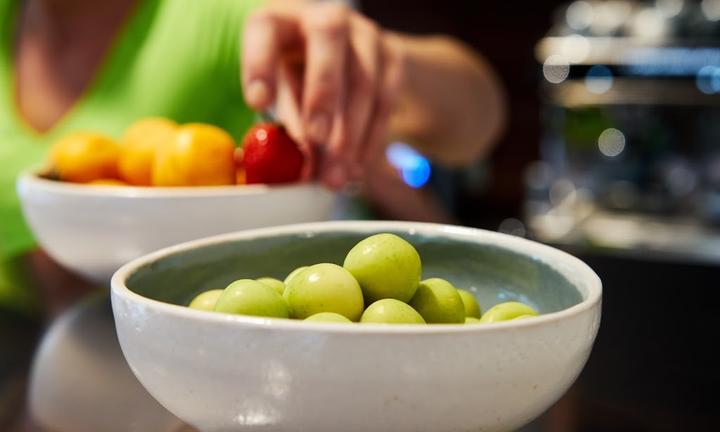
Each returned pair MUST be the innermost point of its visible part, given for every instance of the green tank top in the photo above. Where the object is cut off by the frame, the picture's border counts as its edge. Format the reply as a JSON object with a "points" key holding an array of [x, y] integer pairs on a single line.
{"points": [[173, 58]]}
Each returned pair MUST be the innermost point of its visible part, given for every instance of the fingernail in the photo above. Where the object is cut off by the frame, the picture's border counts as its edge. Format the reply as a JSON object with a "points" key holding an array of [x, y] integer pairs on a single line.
{"points": [[258, 94], [319, 128]]}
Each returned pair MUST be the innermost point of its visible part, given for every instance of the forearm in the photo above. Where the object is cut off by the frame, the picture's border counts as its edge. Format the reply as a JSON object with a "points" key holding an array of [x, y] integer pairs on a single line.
{"points": [[450, 104]]}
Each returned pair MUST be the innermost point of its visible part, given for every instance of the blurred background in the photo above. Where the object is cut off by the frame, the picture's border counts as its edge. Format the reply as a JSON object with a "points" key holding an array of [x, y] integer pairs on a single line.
{"points": [[612, 153]]}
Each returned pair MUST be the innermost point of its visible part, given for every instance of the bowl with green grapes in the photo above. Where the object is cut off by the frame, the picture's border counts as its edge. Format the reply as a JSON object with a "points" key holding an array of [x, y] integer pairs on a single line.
{"points": [[357, 325]]}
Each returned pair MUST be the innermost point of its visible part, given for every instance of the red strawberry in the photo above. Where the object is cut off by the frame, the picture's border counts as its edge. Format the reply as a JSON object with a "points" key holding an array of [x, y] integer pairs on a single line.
{"points": [[270, 155]]}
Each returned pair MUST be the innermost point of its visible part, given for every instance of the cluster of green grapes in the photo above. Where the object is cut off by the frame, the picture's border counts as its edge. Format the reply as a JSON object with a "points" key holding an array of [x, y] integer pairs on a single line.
{"points": [[382, 271]]}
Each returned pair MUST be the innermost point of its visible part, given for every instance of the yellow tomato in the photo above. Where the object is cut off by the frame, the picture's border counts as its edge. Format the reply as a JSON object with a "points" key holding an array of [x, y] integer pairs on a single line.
{"points": [[138, 147], [200, 155], [82, 157]]}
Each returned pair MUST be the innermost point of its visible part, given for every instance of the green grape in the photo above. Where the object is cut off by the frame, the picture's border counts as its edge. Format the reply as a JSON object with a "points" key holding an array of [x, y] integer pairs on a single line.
{"points": [[329, 317], [391, 311], [438, 302], [324, 288], [292, 274], [206, 300], [277, 284], [249, 297], [472, 320], [472, 308], [386, 266], [507, 311]]}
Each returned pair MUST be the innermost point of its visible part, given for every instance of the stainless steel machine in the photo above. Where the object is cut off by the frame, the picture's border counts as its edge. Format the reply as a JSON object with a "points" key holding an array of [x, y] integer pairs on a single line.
{"points": [[630, 152]]}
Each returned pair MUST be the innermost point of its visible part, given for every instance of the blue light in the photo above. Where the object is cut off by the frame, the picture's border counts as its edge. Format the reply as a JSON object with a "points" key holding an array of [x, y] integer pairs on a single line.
{"points": [[401, 155], [418, 175], [414, 167], [670, 61], [708, 79]]}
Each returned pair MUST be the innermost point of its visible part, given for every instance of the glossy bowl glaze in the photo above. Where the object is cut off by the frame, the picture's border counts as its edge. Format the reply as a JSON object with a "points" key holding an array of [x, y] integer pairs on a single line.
{"points": [[93, 230], [223, 373]]}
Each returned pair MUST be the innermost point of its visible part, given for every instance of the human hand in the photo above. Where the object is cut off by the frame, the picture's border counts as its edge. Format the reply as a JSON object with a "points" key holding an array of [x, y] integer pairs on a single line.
{"points": [[333, 76]]}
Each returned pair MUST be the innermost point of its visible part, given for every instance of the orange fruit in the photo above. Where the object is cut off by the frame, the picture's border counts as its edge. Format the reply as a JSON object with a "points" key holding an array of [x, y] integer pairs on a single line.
{"points": [[138, 147], [82, 157], [240, 176], [107, 182], [199, 155]]}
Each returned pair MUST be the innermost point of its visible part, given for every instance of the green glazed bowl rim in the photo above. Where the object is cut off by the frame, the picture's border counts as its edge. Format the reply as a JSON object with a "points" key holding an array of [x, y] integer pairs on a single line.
{"points": [[560, 261]]}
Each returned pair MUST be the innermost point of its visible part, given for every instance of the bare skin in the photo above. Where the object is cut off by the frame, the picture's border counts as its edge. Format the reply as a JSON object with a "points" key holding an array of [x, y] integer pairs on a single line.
{"points": [[353, 85], [59, 47]]}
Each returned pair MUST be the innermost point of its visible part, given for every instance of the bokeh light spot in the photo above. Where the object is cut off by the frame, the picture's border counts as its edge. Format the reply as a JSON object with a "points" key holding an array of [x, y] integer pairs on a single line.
{"points": [[711, 9], [611, 142], [556, 69], [579, 15], [708, 79], [414, 168], [599, 79]]}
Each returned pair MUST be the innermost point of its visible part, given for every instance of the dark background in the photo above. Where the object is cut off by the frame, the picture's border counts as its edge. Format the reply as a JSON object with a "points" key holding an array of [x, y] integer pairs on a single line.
{"points": [[653, 367]]}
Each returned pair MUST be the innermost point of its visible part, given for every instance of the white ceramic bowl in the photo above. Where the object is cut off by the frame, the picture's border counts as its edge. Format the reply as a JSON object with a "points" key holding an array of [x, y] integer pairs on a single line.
{"points": [[222, 372], [93, 230]]}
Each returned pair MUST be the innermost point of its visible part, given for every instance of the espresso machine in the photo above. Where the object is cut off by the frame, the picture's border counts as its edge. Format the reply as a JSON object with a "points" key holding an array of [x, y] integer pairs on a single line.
{"points": [[630, 151]]}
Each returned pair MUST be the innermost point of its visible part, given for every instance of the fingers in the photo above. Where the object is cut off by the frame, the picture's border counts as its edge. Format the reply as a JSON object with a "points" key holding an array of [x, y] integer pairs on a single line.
{"points": [[266, 34], [333, 172], [340, 98], [390, 81], [364, 81], [287, 102], [326, 28], [370, 144]]}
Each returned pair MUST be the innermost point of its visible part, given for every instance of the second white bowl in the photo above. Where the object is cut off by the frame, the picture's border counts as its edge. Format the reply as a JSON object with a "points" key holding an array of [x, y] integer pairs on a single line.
{"points": [[93, 230]]}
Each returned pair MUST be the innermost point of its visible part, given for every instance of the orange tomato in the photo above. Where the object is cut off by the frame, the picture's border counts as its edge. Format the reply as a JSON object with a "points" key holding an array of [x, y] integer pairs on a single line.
{"points": [[139, 145], [82, 157], [108, 182], [240, 176], [200, 155]]}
